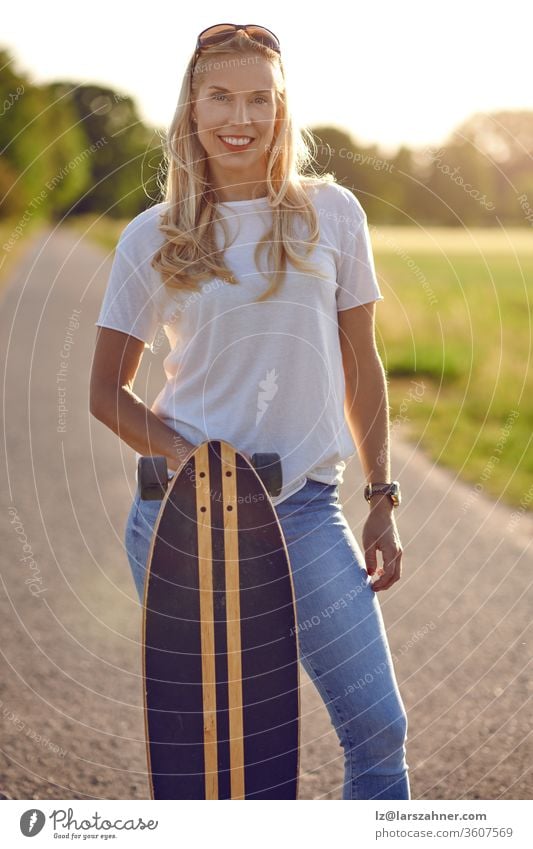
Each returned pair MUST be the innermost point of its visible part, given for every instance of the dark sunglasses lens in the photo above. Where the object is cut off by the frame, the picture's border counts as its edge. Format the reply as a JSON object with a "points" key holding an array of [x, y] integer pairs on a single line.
{"points": [[264, 36], [219, 33], [215, 34]]}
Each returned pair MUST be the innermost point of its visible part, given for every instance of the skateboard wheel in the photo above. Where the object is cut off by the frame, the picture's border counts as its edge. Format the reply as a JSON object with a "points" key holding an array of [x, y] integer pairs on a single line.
{"points": [[152, 477], [268, 467]]}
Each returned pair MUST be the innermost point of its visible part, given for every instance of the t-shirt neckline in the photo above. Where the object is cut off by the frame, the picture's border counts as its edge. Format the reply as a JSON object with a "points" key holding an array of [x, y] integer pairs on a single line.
{"points": [[261, 201]]}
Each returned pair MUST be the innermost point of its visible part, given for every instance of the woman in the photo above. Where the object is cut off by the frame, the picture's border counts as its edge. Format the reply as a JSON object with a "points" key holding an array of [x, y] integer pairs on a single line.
{"points": [[264, 282]]}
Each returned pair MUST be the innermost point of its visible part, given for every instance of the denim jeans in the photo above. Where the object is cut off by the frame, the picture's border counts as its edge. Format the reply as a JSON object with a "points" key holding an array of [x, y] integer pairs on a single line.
{"points": [[342, 640]]}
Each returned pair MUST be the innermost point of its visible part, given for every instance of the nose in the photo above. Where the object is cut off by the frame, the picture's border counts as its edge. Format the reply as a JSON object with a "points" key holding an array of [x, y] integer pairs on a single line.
{"points": [[240, 115]]}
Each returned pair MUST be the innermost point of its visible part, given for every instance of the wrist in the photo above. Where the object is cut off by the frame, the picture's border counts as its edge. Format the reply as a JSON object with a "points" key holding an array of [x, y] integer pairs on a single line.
{"points": [[380, 502], [181, 449]]}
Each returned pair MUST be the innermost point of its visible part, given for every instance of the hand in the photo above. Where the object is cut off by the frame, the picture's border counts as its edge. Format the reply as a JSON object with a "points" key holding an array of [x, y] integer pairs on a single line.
{"points": [[381, 534]]}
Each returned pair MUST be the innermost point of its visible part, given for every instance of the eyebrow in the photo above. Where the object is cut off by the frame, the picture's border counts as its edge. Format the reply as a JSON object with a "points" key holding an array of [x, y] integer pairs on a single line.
{"points": [[221, 88]]}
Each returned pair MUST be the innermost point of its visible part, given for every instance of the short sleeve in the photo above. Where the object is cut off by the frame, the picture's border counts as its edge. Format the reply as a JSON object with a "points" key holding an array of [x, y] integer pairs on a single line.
{"points": [[357, 281], [128, 305]]}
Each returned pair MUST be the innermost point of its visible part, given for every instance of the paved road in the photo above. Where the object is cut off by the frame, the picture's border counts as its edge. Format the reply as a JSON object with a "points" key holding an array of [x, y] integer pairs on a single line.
{"points": [[70, 692]]}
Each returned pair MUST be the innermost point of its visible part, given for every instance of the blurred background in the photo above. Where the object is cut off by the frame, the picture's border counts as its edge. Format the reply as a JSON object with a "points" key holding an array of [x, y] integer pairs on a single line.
{"points": [[425, 113], [423, 110]]}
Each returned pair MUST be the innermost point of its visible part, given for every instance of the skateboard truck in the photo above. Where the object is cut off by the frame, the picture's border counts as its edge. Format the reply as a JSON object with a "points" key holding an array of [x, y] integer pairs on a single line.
{"points": [[153, 480]]}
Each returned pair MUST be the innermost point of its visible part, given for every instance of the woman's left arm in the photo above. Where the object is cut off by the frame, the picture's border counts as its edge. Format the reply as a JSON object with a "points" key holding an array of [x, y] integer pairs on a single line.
{"points": [[367, 413]]}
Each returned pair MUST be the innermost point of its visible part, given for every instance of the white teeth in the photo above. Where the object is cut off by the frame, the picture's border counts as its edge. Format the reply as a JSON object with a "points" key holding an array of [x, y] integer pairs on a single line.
{"points": [[235, 141]]}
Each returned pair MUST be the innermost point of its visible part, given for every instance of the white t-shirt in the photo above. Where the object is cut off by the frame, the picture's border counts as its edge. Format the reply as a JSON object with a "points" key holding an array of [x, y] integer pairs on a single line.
{"points": [[266, 377]]}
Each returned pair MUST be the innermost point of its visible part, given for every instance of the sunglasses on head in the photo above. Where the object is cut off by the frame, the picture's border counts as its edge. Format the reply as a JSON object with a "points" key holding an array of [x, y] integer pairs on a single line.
{"points": [[221, 32]]}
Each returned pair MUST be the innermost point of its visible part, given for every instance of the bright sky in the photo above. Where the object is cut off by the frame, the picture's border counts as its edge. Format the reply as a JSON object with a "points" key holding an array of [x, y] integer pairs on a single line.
{"points": [[388, 72]]}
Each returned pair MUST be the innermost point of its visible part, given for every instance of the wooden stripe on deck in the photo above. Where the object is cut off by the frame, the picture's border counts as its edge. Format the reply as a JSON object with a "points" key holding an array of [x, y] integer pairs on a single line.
{"points": [[207, 628], [233, 622]]}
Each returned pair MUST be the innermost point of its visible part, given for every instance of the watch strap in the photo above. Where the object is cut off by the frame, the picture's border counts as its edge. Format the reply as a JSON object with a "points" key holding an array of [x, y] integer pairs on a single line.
{"points": [[391, 488]]}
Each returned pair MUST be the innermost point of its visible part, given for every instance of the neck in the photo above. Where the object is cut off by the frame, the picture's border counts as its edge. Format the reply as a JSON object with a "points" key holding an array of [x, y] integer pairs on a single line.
{"points": [[245, 187]]}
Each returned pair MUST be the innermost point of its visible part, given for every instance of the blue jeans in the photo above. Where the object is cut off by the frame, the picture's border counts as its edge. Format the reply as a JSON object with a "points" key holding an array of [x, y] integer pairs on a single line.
{"points": [[342, 640]]}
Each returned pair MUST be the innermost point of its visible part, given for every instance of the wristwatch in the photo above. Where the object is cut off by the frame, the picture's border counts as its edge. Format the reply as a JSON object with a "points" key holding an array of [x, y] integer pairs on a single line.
{"points": [[392, 489]]}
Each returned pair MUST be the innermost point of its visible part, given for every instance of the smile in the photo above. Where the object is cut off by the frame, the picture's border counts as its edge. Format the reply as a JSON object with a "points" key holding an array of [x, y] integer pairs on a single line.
{"points": [[237, 141]]}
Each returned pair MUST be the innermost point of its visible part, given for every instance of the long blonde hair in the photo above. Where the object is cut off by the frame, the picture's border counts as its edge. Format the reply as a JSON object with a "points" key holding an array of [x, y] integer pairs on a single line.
{"points": [[189, 254]]}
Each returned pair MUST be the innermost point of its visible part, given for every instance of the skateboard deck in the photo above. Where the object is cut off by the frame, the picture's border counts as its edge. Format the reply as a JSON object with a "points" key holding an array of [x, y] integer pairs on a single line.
{"points": [[220, 650]]}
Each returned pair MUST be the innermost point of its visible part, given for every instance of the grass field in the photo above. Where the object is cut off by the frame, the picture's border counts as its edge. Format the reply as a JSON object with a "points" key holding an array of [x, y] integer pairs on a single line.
{"points": [[455, 336]]}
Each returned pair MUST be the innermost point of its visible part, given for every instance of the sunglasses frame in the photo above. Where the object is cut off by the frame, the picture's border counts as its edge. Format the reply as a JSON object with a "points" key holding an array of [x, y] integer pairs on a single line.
{"points": [[237, 27]]}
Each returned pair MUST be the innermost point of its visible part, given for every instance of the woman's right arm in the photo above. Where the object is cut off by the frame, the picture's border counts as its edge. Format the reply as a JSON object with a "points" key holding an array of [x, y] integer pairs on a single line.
{"points": [[112, 401]]}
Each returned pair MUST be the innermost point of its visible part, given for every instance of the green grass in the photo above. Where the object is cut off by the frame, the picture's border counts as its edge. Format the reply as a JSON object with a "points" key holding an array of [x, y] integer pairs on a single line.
{"points": [[461, 325]]}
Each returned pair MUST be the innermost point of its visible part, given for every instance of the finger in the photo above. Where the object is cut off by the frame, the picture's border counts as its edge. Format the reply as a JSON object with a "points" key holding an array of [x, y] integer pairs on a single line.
{"points": [[391, 565], [391, 572], [371, 559]]}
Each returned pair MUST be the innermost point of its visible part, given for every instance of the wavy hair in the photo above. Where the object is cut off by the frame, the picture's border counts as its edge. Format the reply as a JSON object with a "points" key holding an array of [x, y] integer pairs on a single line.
{"points": [[190, 254]]}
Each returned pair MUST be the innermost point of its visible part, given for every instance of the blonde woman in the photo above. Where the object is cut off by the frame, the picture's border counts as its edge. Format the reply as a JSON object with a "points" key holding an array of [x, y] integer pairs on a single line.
{"points": [[263, 280]]}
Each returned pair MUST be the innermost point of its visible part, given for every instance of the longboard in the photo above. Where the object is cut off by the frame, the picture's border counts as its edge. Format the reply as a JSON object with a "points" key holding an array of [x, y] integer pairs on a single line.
{"points": [[220, 649]]}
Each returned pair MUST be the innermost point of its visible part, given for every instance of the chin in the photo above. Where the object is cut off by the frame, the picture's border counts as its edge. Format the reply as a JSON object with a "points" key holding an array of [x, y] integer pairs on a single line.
{"points": [[239, 166]]}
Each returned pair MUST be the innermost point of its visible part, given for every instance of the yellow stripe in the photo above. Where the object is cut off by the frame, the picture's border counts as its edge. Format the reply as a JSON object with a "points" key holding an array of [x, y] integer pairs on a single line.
{"points": [[207, 627], [233, 624]]}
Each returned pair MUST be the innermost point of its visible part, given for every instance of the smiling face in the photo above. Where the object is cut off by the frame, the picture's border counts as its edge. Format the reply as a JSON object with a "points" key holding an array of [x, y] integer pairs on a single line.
{"points": [[236, 103]]}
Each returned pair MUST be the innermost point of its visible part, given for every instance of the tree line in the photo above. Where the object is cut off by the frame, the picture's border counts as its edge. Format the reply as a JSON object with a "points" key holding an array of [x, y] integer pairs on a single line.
{"points": [[70, 148]]}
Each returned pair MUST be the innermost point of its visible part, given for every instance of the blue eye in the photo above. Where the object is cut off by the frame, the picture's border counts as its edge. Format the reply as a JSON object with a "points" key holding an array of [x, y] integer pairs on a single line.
{"points": [[259, 97]]}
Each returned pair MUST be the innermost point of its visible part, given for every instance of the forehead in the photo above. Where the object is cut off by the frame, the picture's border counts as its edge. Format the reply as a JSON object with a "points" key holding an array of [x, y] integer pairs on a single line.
{"points": [[235, 72]]}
